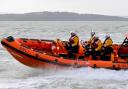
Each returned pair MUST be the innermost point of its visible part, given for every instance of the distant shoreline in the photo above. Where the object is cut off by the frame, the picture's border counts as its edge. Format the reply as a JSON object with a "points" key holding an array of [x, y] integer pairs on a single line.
{"points": [[59, 16]]}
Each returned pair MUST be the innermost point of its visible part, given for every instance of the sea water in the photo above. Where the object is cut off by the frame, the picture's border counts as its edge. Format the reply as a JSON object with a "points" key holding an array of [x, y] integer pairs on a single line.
{"points": [[14, 75]]}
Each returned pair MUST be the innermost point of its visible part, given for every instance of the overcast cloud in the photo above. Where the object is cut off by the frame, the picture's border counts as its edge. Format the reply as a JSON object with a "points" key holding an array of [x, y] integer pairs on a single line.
{"points": [[106, 7]]}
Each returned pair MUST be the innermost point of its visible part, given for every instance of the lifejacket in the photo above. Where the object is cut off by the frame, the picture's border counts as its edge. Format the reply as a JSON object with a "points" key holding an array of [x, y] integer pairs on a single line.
{"points": [[94, 44], [108, 42], [71, 40], [91, 40], [97, 45], [74, 40]]}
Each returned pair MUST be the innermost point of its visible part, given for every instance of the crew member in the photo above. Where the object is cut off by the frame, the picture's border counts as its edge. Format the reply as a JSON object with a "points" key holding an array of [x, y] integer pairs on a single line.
{"points": [[88, 45], [91, 39], [74, 42], [107, 47], [96, 47]]}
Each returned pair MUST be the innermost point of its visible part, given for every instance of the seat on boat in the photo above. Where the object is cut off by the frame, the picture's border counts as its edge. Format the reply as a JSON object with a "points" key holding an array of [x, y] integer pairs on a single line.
{"points": [[123, 52], [58, 48], [61, 50]]}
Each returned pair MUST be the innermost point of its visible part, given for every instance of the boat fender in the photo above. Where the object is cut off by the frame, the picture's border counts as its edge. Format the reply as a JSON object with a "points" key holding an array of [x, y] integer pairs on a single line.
{"points": [[10, 39]]}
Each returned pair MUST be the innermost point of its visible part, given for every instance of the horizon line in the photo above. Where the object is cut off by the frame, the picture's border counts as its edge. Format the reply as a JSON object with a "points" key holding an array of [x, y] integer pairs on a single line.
{"points": [[57, 11]]}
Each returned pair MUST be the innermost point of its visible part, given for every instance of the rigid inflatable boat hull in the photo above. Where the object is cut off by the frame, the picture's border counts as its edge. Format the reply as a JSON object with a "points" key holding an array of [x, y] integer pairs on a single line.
{"points": [[49, 61]]}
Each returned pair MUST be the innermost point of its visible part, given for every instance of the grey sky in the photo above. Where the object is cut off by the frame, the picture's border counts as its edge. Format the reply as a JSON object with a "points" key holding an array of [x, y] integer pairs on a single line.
{"points": [[106, 7]]}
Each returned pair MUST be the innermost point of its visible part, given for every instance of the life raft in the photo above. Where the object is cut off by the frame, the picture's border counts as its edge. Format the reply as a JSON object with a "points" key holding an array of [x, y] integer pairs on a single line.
{"points": [[39, 53]]}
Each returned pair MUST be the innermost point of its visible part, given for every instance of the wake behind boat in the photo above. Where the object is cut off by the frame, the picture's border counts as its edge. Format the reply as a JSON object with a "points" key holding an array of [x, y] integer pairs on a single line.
{"points": [[48, 53]]}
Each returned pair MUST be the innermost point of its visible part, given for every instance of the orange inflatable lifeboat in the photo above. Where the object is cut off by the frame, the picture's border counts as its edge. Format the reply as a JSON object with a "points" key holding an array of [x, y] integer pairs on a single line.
{"points": [[48, 53]]}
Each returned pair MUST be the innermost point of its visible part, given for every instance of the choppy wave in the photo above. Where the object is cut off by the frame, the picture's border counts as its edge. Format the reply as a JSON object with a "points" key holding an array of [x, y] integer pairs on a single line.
{"points": [[65, 79]]}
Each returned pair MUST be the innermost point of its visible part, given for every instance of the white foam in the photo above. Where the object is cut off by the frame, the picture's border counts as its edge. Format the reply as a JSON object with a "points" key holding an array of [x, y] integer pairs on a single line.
{"points": [[93, 74]]}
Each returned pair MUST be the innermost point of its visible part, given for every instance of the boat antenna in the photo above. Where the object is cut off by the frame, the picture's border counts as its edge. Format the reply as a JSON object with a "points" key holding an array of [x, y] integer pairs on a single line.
{"points": [[126, 35]]}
